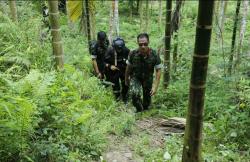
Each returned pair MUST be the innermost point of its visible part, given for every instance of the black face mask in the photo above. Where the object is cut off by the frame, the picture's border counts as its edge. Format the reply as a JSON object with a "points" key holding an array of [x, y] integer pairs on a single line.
{"points": [[118, 49]]}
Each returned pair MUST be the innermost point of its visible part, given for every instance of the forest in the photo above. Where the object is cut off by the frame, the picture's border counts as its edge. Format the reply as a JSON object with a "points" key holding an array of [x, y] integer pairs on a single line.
{"points": [[55, 105]]}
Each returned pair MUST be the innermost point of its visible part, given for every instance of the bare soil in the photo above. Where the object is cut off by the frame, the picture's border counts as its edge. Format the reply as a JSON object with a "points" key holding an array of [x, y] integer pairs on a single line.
{"points": [[157, 128]]}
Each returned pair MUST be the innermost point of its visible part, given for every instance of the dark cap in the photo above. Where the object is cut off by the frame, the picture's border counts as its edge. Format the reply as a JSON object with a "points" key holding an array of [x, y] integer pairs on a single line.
{"points": [[101, 36]]}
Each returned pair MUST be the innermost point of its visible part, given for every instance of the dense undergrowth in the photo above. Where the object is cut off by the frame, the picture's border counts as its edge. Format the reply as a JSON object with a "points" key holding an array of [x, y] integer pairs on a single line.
{"points": [[47, 115]]}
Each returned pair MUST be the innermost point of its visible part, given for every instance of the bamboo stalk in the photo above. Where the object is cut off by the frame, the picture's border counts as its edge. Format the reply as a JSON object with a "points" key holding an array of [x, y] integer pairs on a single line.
{"points": [[147, 16], [116, 18], [230, 63], [92, 8], [193, 131], [160, 14], [141, 15], [175, 27], [111, 20], [55, 32], [242, 32], [166, 77], [88, 22]]}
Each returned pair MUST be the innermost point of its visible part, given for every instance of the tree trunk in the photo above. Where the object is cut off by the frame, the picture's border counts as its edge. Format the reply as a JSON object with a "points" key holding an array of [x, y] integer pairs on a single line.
{"points": [[175, 52], [193, 131], [116, 18], [160, 14], [137, 6], [230, 63], [147, 16], [141, 15], [92, 19], [13, 10], [83, 24], [55, 32], [131, 10], [242, 32], [111, 21], [222, 16], [217, 7], [176, 22], [88, 22], [167, 44]]}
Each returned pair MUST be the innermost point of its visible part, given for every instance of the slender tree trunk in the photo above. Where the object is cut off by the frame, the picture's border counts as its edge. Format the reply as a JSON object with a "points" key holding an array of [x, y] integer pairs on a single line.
{"points": [[176, 22], [13, 10], [55, 32], [111, 21], [131, 10], [242, 31], [116, 18], [166, 78], [147, 16], [217, 7], [83, 24], [175, 52], [193, 130], [92, 18], [141, 15], [151, 7], [88, 22], [230, 63], [137, 6], [160, 14], [222, 16]]}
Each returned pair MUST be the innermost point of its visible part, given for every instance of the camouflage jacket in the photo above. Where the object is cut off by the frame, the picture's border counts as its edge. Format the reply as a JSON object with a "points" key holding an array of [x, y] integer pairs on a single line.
{"points": [[143, 67]]}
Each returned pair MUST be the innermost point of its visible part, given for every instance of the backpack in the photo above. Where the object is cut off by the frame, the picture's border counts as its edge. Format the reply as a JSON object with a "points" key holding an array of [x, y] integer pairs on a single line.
{"points": [[92, 44]]}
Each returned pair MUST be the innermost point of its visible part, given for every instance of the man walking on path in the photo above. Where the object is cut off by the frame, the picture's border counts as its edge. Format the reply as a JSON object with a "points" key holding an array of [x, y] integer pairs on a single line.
{"points": [[115, 62], [139, 73], [98, 50]]}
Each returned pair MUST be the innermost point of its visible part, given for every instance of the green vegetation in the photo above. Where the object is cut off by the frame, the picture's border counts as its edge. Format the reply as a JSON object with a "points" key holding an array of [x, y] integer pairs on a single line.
{"points": [[47, 115]]}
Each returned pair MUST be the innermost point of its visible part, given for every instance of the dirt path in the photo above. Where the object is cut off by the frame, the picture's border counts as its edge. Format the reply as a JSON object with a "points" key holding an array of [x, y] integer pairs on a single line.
{"points": [[123, 150]]}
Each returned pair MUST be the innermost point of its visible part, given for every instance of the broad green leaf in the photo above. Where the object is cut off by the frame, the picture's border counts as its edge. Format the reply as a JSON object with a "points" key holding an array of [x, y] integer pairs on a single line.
{"points": [[74, 9]]}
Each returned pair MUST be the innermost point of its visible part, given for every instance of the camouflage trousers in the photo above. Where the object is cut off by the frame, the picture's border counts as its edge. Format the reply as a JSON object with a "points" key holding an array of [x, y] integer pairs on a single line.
{"points": [[138, 87]]}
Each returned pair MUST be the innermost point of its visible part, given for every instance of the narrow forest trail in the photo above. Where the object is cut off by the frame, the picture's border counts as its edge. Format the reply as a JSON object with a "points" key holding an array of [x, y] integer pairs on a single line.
{"points": [[148, 133]]}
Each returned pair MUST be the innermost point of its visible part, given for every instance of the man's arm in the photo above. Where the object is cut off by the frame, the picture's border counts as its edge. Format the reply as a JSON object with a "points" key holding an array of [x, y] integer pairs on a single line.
{"points": [[157, 67], [156, 82], [94, 63]]}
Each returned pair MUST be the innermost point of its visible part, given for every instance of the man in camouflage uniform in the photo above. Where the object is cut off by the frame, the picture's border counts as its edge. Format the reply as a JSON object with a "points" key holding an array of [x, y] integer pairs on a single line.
{"points": [[139, 73], [98, 50], [115, 61]]}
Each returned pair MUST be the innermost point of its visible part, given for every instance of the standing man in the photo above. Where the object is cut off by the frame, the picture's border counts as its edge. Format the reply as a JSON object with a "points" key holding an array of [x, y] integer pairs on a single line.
{"points": [[98, 50], [115, 61], [139, 73]]}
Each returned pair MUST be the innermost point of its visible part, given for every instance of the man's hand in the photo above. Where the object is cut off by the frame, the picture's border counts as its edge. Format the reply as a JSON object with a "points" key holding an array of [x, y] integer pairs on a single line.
{"points": [[112, 67], [99, 75], [153, 91]]}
